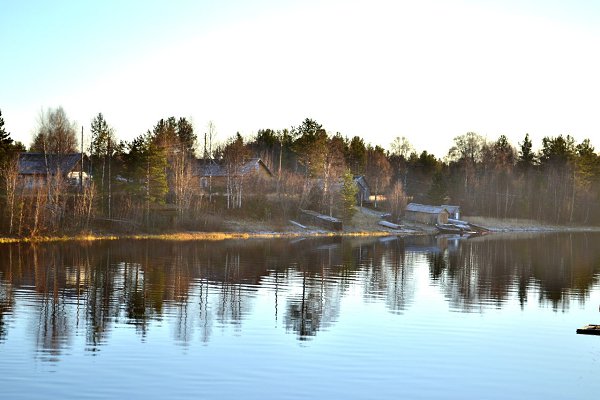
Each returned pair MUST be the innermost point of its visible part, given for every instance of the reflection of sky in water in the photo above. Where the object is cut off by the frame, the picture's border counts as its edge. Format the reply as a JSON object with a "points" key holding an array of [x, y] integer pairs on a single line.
{"points": [[378, 318]]}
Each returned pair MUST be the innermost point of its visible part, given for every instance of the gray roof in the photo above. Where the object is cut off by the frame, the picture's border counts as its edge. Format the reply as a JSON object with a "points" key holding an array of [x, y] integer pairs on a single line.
{"points": [[218, 168], [451, 209], [360, 181], [42, 164], [209, 168], [415, 207]]}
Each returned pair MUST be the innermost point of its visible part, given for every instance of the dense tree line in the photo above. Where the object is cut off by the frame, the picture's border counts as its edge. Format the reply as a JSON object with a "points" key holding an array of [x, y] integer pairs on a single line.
{"points": [[154, 181], [558, 184]]}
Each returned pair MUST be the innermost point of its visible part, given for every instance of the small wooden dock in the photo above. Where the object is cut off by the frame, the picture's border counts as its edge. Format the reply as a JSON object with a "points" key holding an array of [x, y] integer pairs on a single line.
{"points": [[590, 329]]}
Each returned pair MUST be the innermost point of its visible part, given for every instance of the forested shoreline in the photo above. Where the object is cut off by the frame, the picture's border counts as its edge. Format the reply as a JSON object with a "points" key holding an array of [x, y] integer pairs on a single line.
{"points": [[156, 183]]}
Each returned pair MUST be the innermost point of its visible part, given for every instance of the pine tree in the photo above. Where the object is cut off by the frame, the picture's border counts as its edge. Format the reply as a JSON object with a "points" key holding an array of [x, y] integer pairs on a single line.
{"points": [[349, 192], [6, 143], [156, 175], [438, 192], [102, 147], [526, 155]]}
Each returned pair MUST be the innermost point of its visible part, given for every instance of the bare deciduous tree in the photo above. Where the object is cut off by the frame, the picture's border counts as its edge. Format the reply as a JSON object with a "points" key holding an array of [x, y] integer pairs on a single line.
{"points": [[55, 133], [234, 155], [10, 173], [397, 199]]}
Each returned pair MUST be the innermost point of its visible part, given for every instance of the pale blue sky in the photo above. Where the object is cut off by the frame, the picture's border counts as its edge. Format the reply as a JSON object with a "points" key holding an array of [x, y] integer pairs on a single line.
{"points": [[428, 70]]}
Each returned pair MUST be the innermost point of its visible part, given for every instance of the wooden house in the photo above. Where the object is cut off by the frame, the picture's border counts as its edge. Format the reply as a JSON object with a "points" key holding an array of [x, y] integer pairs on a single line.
{"points": [[426, 214], [36, 169], [214, 173]]}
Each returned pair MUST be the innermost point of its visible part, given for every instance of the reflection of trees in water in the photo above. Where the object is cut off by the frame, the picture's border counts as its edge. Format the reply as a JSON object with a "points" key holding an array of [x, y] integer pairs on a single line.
{"points": [[6, 306], [387, 276], [204, 312], [100, 289], [230, 298], [138, 300], [304, 311], [125, 283], [329, 270], [53, 329], [315, 307], [310, 289], [7, 297], [489, 271], [196, 285]]}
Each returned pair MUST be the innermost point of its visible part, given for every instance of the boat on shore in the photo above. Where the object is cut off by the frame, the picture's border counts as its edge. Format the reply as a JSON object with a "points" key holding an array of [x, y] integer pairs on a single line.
{"points": [[450, 228], [457, 226]]}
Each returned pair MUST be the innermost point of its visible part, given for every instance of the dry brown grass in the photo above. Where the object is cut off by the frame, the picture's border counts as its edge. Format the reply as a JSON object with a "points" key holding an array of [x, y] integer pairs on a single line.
{"points": [[362, 224], [192, 236], [516, 225]]}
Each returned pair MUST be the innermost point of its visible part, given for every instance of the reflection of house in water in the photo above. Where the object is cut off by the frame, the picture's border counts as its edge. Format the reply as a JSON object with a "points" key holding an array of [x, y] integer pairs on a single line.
{"points": [[433, 244], [421, 244], [450, 242]]}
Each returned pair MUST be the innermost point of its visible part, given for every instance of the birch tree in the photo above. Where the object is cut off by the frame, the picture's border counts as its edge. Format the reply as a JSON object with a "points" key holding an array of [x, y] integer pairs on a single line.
{"points": [[55, 133], [234, 154]]}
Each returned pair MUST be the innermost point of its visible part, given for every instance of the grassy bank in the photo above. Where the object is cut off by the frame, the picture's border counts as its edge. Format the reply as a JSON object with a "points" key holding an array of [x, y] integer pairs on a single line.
{"points": [[526, 225], [189, 236], [364, 223]]}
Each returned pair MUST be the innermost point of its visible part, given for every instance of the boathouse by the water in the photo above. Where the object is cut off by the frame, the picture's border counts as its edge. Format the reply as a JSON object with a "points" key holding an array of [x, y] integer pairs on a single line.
{"points": [[426, 214]]}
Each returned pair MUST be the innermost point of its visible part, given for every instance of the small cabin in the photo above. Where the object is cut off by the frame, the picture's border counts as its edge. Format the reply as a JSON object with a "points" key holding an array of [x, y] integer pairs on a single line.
{"points": [[453, 210], [364, 192], [426, 214]]}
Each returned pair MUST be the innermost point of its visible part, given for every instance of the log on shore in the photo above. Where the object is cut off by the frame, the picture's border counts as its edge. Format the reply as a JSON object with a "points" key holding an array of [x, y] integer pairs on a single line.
{"points": [[309, 217], [298, 224], [390, 225]]}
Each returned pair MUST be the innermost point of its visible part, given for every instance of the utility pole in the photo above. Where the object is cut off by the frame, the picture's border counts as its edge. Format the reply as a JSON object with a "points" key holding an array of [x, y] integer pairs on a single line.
{"points": [[148, 192], [279, 172], [205, 154], [81, 166], [109, 178]]}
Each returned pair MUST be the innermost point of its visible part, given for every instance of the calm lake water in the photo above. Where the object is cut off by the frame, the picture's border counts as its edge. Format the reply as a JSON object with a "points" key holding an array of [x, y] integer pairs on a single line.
{"points": [[422, 317]]}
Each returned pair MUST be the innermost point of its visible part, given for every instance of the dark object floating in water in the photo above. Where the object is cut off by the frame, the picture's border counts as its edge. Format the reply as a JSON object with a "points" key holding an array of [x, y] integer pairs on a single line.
{"points": [[589, 330]]}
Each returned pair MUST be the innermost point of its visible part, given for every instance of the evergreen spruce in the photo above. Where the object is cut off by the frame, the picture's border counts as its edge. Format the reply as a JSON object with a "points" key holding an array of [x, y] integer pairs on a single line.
{"points": [[349, 192]]}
